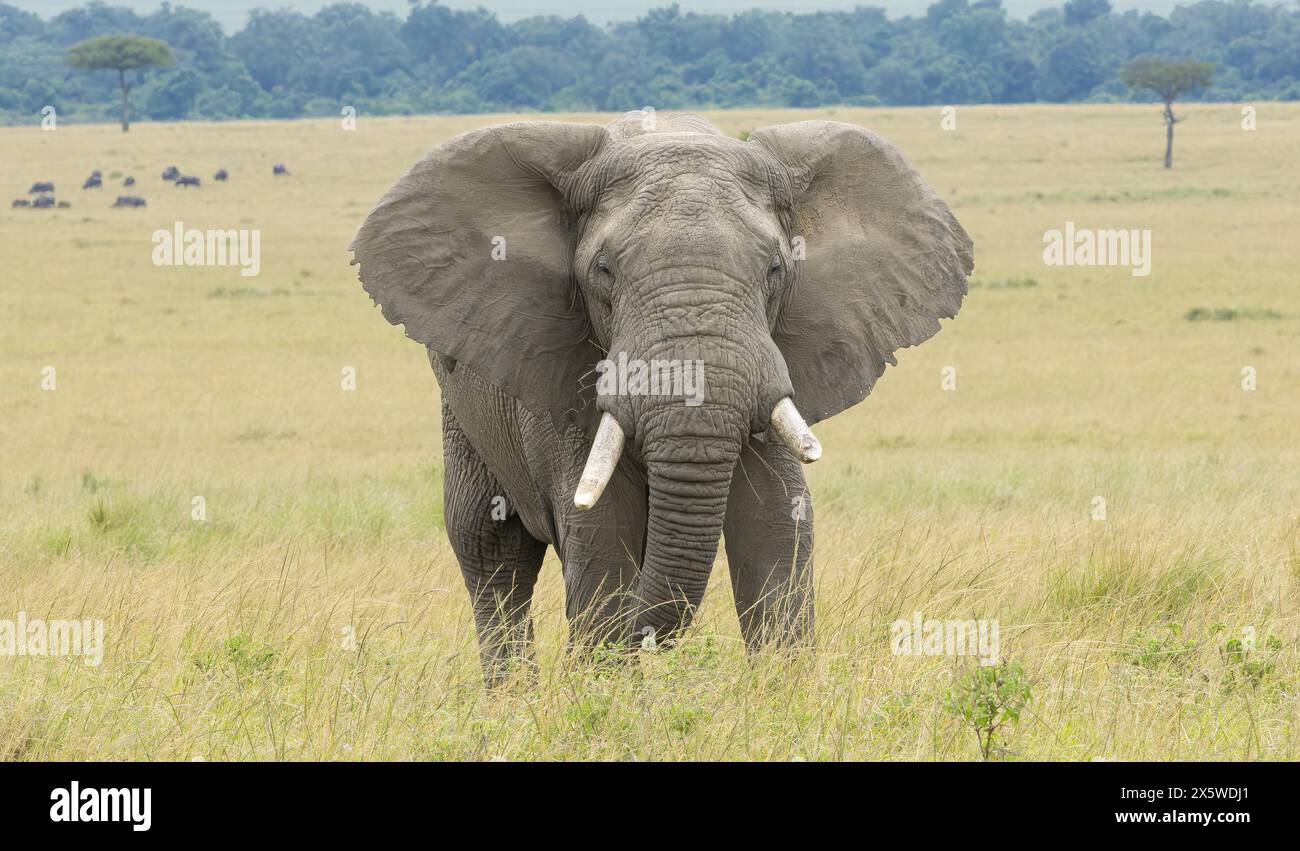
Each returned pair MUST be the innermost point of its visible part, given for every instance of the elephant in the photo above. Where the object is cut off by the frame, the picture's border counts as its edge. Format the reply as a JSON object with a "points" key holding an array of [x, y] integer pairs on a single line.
{"points": [[188, 180], [171, 173], [129, 181], [129, 201], [551, 268], [221, 174], [95, 181], [41, 186], [279, 169]]}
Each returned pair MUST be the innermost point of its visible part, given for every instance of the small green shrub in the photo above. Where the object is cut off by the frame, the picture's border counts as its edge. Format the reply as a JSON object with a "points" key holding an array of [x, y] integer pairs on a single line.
{"points": [[989, 698], [91, 483], [1247, 665], [684, 719], [240, 653], [589, 711], [1162, 652]]}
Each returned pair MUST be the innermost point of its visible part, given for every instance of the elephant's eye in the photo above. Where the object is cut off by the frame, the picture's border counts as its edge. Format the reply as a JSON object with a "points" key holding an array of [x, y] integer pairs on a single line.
{"points": [[602, 263], [776, 270]]}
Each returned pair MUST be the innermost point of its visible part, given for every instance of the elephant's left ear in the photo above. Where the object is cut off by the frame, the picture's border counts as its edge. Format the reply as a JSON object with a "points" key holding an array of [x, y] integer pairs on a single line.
{"points": [[883, 261]]}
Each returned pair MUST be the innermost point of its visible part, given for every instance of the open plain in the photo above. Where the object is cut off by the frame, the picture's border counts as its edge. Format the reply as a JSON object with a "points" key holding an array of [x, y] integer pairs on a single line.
{"points": [[1105, 464]]}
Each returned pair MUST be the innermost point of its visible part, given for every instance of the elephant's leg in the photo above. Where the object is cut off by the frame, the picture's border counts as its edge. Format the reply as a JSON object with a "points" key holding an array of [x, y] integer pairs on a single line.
{"points": [[769, 534], [597, 591], [498, 558], [601, 552]]}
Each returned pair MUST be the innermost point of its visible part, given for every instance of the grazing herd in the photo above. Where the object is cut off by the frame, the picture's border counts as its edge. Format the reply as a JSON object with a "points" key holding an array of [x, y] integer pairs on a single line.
{"points": [[40, 203], [44, 189]]}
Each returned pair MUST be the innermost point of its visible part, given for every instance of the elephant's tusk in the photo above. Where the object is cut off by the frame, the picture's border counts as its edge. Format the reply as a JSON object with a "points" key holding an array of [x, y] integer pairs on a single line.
{"points": [[794, 432], [605, 452]]}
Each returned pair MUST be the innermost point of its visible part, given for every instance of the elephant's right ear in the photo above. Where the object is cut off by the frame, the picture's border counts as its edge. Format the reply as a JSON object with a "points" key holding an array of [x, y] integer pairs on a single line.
{"points": [[472, 249]]}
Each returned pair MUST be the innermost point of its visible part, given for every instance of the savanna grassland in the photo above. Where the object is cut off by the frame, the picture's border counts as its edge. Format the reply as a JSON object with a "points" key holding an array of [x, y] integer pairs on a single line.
{"points": [[233, 637]]}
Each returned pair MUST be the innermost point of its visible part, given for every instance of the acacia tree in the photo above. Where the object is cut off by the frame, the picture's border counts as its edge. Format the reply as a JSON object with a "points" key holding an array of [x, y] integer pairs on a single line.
{"points": [[1169, 79], [120, 53]]}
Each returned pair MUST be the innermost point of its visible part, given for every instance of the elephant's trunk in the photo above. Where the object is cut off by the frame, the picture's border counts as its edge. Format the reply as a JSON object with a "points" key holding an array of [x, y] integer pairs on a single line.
{"points": [[689, 466], [690, 456]]}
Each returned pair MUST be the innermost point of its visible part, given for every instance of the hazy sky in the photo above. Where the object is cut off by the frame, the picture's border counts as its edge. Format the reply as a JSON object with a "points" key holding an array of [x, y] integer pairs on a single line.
{"points": [[232, 13]]}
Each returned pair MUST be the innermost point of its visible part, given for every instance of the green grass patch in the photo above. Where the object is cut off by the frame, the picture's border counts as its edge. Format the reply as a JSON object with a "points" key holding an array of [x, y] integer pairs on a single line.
{"points": [[1228, 314]]}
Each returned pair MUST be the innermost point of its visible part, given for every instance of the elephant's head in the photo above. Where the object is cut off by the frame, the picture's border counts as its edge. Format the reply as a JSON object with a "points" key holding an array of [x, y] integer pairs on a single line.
{"points": [[789, 266]]}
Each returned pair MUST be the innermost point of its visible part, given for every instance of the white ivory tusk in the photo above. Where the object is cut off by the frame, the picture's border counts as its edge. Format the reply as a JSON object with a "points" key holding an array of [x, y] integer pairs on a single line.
{"points": [[605, 452], [794, 432]]}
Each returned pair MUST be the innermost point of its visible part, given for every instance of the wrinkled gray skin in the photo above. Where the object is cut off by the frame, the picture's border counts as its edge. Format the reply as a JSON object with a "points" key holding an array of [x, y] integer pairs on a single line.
{"points": [[792, 264]]}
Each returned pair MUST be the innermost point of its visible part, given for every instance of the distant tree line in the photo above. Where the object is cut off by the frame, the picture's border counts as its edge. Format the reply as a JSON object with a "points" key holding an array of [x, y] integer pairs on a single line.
{"points": [[285, 64]]}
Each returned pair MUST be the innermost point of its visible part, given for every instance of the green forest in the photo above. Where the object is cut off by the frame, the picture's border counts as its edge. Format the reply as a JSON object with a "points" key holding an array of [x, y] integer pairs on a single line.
{"points": [[285, 64]]}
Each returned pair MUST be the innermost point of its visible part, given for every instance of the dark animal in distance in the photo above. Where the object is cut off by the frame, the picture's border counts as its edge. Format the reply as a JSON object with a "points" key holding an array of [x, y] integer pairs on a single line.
{"points": [[129, 201], [41, 186], [221, 174], [171, 173], [93, 182], [279, 168], [188, 180], [130, 181], [21, 202], [44, 202], [63, 205]]}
